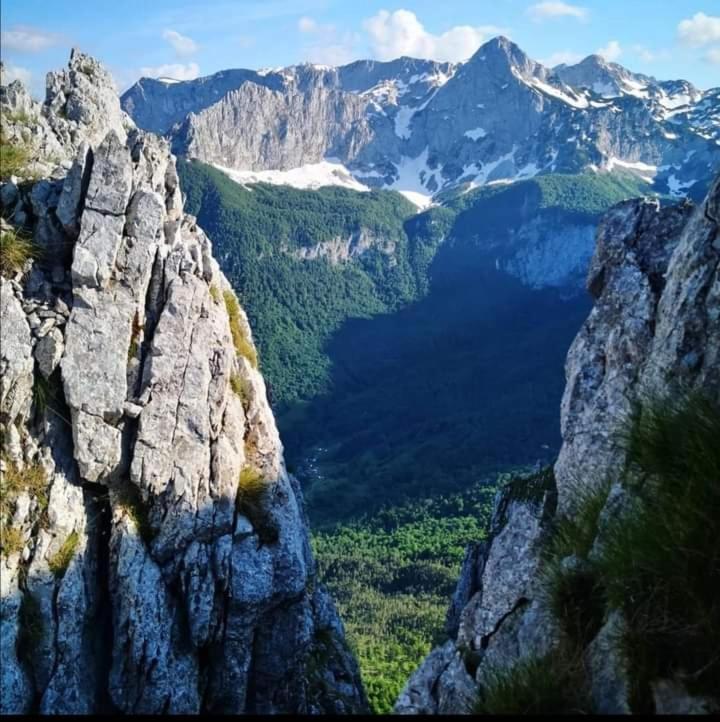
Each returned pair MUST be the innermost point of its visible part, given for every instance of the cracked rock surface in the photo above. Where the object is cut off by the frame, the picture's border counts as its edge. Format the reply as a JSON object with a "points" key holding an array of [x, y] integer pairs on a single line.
{"points": [[145, 574], [654, 329]]}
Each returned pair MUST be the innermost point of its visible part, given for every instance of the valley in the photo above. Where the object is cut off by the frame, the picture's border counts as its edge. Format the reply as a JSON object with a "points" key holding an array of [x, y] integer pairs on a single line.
{"points": [[339, 381], [408, 379]]}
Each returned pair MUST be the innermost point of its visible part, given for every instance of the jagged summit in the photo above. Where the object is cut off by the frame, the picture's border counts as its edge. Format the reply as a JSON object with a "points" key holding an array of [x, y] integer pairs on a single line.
{"points": [[421, 127], [155, 553]]}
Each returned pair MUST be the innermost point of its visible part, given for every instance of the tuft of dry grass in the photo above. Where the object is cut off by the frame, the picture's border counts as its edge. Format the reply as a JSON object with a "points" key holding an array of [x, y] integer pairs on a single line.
{"points": [[60, 561], [12, 540], [14, 481], [15, 249], [242, 344], [14, 158]]}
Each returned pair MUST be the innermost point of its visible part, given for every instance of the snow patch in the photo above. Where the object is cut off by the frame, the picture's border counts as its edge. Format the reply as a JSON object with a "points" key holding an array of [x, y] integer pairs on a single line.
{"points": [[678, 187], [413, 174], [312, 175], [421, 200], [402, 122], [645, 171], [635, 88], [575, 102], [475, 133]]}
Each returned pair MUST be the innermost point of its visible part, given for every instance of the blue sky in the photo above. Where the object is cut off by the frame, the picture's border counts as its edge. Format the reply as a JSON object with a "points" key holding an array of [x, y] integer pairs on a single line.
{"points": [[178, 38]]}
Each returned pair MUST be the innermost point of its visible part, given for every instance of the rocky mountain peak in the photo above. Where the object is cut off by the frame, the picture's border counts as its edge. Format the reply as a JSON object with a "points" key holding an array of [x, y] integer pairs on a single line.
{"points": [[155, 553], [500, 56], [422, 127], [602, 77]]}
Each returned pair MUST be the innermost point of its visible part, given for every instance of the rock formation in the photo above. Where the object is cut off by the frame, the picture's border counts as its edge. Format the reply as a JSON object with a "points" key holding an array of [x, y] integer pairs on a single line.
{"points": [[155, 553], [654, 329]]}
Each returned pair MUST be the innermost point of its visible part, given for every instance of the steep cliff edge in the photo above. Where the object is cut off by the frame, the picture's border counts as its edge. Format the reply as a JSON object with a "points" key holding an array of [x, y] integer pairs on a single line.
{"points": [[543, 619], [155, 553]]}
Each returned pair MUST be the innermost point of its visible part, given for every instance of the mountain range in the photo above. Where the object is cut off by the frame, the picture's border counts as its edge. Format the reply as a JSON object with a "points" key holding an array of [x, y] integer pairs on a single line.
{"points": [[422, 127]]}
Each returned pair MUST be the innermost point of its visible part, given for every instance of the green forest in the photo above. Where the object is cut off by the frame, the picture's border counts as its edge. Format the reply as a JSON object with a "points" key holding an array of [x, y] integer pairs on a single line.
{"points": [[392, 575]]}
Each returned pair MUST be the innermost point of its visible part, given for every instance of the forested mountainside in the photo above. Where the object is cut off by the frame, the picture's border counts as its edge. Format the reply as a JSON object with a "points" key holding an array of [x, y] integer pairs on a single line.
{"points": [[596, 591], [155, 552], [421, 127], [408, 353]]}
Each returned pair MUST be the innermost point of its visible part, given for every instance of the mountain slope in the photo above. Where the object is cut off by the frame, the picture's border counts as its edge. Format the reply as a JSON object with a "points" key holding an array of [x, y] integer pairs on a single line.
{"points": [[421, 127]]}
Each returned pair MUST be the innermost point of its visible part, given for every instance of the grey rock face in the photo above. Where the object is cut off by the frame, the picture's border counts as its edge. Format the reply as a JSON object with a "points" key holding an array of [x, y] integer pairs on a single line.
{"points": [[422, 126], [339, 250], [283, 129], [162, 581], [609, 668], [655, 279], [654, 276], [505, 615]]}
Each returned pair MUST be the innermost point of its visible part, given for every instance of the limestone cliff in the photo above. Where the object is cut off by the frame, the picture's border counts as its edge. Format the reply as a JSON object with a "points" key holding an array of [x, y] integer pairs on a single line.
{"points": [[155, 553], [654, 330], [422, 126]]}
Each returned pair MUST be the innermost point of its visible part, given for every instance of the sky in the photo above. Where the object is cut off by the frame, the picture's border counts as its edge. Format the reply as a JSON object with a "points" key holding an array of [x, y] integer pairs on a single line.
{"points": [[668, 39]]}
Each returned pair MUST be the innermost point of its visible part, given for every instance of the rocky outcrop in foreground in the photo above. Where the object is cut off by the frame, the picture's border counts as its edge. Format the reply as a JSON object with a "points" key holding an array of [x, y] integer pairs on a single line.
{"points": [[155, 553], [654, 331]]}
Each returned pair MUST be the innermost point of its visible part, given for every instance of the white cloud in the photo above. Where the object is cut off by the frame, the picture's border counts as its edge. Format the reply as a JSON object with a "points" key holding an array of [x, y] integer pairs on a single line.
{"points": [[611, 52], [182, 44], [307, 25], [650, 56], [713, 56], [553, 9], [176, 71], [26, 39], [337, 54], [566, 57], [397, 33], [15, 72], [699, 30]]}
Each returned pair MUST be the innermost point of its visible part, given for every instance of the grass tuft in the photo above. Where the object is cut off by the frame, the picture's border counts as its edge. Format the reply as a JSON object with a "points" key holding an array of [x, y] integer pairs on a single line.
{"points": [[236, 384], [14, 158], [660, 562], [576, 598], [571, 585], [242, 344], [13, 482], [544, 685], [130, 501], [135, 332], [215, 293], [251, 501], [16, 248], [60, 561], [12, 540], [251, 483]]}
